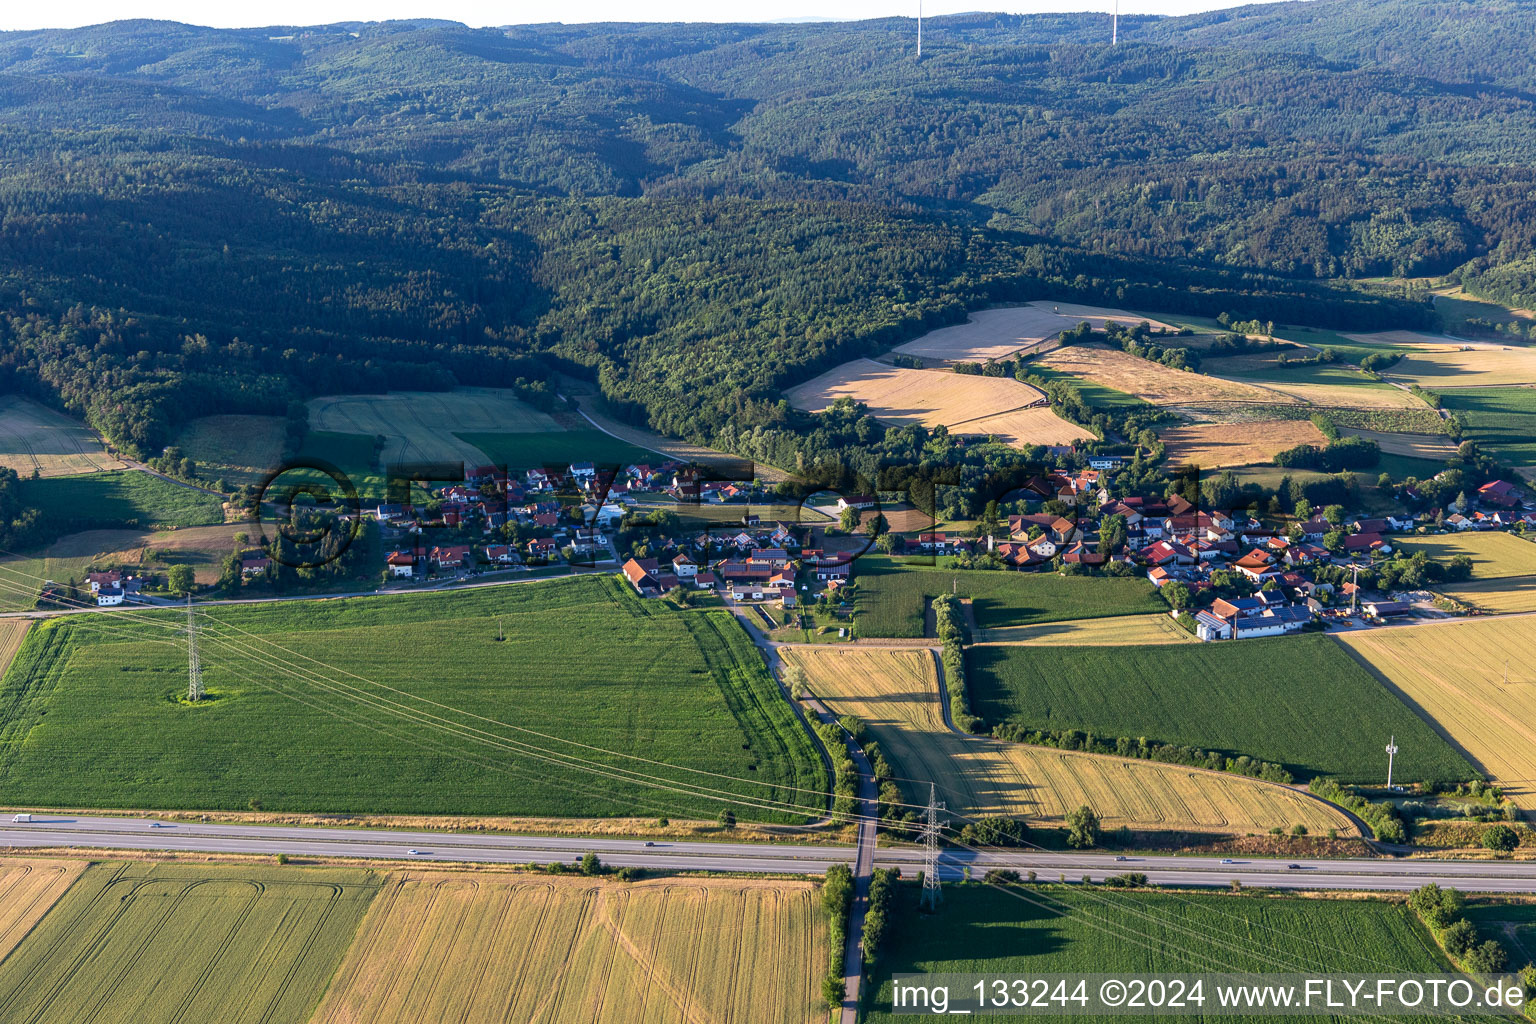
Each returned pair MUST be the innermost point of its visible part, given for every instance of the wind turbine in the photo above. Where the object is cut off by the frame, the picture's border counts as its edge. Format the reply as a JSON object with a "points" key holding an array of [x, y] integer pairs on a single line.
{"points": [[1114, 32], [920, 28]]}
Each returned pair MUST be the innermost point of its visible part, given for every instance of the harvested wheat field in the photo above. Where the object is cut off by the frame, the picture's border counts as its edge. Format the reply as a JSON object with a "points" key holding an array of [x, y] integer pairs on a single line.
{"points": [[989, 334], [1434, 447], [483, 947], [12, 633], [1154, 382], [1440, 362], [965, 403], [1454, 673], [421, 426], [1106, 632], [895, 692], [27, 889], [35, 438], [1236, 444]]}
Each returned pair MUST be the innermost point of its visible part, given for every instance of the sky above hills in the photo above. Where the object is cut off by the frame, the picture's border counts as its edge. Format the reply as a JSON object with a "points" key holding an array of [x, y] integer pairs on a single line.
{"points": [[246, 13]]}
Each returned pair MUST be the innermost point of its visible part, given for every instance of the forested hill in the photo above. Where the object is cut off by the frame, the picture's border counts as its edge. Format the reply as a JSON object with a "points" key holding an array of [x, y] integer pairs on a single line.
{"points": [[195, 220]]}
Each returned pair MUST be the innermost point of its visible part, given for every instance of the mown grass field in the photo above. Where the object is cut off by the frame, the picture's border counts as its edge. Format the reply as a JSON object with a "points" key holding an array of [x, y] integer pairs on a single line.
{"points": [[237, 449], [524, 451], [424, 427], [21, 576], [141, 943], [1054, 929], [1456, 673], [1296, 700], [1494, 555], [34, 438], [28, 888], [406, 704], [893, 596], [1440, 362], [486, 947], [128, 498], [1502, 419], [895, 693]]}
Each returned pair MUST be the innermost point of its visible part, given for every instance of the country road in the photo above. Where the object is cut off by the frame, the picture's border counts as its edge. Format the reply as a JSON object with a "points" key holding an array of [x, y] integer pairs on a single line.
{"points": [[65, 831]]}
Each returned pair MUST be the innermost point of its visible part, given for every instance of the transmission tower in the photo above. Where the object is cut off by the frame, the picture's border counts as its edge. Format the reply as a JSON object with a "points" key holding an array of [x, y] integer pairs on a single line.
{"points": [[931, 894], [194, 667]]}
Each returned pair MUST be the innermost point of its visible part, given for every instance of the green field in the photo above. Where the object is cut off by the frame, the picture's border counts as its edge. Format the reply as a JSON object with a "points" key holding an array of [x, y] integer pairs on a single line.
{"points": [[1097, 395], [1026, 931], [893, 596], [1503, 419], [126, 498], [162, 943], [558, 448], [1298, 700], [1303, 373], [90, 716]]}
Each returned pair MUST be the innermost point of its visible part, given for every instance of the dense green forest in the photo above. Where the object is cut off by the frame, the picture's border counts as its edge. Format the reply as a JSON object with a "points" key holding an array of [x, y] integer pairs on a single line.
{"points": [[197, 220]]}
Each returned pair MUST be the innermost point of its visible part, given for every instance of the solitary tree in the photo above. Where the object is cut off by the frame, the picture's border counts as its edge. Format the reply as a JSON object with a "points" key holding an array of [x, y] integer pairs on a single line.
{"points": [[179, 579], [590, 865], [849, 519], [1500, 839], [1082, 828]]}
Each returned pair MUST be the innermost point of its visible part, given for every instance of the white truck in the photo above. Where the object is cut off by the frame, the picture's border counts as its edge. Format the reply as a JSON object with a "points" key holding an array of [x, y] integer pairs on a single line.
{"points": [[21, 817]]}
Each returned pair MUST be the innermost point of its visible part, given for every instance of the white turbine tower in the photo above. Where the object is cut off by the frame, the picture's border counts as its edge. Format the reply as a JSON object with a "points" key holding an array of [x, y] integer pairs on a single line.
{"points": [[1391, 753], [919, 29], [1114, 31]]}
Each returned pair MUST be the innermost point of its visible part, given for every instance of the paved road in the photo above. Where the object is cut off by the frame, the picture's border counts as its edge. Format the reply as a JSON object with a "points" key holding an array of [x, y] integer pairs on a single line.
{"points": [[102, 833]]}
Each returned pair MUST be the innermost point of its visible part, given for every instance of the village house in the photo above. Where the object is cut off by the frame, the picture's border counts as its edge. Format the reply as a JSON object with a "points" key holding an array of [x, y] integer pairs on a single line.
{"points": [[401, 564], [685, 567], [641, 573], [254, 565], [452, 556]]}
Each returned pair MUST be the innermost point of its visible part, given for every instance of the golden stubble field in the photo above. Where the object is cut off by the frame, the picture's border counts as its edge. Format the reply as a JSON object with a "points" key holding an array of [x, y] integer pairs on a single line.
{"points": [[488, 947], [1435, 447], [12, 633], [1441, 362], [965, 403], [1454, 673], [1236, 444], [1154, 382], [35, 438], [895, 692], [28, 887], [421, 426]]}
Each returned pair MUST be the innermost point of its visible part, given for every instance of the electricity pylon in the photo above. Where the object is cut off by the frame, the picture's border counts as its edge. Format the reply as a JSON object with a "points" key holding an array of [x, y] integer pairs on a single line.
{"points": [[930, 898], [194, 666]]}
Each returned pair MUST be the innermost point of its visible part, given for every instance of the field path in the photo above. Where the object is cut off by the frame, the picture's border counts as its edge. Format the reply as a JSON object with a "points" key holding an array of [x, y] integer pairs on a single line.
{"points": [[867, 815]]}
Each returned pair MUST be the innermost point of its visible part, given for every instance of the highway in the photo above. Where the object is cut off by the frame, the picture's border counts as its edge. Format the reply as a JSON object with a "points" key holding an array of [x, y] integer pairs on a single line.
{"points": [[105, 833]]}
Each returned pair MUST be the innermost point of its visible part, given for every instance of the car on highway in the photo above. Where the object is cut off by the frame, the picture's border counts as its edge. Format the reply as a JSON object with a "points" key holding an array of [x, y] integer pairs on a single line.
{"points": [[158, 824], [1228, 860], [415, 853], [649, 843], [1122, 858], [1293, 867]]}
